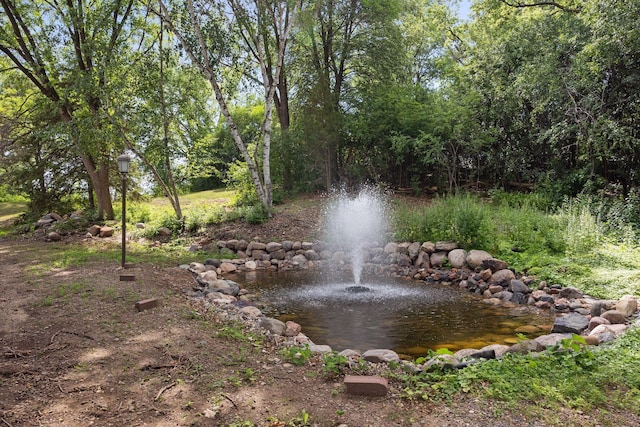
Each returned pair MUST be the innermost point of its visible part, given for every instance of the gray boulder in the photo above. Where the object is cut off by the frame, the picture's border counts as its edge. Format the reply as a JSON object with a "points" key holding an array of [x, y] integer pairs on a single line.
{"points": [[476, 257], [572, 323], [457, 258], [272, 325]]}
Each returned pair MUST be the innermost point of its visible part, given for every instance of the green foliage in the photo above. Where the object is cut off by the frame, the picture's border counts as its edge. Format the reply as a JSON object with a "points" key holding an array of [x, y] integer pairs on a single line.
{"points": [[463, 219], [138, 212], [255, 214], [333, 364], [7, 197], [239, 179], [298, 356]]}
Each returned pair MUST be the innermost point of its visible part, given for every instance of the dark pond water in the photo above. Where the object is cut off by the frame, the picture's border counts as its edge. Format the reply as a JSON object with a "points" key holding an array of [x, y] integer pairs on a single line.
{"points": [[405, 316]]}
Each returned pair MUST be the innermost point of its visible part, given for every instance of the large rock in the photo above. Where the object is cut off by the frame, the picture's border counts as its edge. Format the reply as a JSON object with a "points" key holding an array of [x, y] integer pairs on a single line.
{"points": [[273, 246], [272, 325], [414, 250], [163, 231], [300, 261], [616, 330], [228, 267], [106, 231], [627, 305], [572, 323], [380, 355], [390, 248], [501, 276], [518, 286], [251, 312], [311, 255], [526, 347], [499, 349], [292, 329], [54, 237], [446, 246], [438, 258], [494, 265], [457, 258], [614, 316], [594, 322], [571, 293], [553, 339], [428, 247], [422, 261], [475, 258], [94, 230], [256, 246]]}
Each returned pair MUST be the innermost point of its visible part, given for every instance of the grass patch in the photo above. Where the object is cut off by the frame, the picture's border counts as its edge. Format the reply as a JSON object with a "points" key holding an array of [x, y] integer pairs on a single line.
{"points": [[9, 212]]}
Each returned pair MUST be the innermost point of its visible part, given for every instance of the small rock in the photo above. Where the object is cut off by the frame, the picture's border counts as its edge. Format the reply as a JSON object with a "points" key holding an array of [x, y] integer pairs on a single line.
{"points": [[106, 231], [164, 232], [495, 264], [292, 329], [627, 305], [571, 293], [526, 347], [251, 312], [54, 237], [614, 316]]}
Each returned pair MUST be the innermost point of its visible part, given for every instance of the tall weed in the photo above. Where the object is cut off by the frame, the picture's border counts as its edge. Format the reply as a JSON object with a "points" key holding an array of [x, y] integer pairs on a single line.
{"points": [[457, 218]]}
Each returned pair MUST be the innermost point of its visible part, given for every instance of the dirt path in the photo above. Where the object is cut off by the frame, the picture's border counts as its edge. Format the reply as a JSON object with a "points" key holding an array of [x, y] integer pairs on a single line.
{"points": [[75, 352]]}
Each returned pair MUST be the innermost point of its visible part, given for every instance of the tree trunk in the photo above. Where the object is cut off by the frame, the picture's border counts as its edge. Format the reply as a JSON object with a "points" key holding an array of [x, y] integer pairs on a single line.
{"points": [[99, 176]]}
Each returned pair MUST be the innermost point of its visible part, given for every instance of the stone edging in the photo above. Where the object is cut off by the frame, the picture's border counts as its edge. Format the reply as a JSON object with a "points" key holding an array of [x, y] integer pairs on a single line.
{"points": [[598, 321]]}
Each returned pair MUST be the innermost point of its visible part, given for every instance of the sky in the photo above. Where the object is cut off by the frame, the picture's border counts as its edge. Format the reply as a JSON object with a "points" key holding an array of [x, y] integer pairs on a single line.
{"points": [[464, 9]]}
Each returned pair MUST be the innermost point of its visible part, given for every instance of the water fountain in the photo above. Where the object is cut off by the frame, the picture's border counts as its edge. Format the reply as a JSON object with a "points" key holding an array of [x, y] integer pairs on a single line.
{"points": [[353, 223]]}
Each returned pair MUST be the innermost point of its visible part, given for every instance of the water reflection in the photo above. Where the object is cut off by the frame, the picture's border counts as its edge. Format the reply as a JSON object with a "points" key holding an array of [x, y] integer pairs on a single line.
{"points": [[405, 316]]}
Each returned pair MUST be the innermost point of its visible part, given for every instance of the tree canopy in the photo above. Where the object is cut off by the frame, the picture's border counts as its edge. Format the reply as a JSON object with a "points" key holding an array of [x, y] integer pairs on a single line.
{"points": [[310, 95]]}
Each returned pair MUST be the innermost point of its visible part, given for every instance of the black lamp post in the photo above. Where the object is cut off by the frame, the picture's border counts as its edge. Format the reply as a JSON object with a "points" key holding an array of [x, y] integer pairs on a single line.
{"points": [[124, 162]]}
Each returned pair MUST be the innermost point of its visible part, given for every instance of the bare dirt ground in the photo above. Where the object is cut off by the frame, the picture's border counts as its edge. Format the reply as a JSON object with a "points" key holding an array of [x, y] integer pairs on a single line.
{"points": [[75, 352]]}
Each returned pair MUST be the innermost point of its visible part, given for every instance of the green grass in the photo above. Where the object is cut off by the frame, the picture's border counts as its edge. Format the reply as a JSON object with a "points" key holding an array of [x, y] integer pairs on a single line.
{"points": [[586, 379], [9, 212]]}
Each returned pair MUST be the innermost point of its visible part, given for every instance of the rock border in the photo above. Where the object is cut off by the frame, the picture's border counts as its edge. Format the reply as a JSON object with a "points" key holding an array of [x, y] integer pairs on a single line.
{"points": [[598, 321]]}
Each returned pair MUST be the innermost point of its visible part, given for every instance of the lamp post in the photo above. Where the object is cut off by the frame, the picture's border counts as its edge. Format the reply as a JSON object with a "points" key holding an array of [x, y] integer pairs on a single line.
{"points": [[124, 162]]}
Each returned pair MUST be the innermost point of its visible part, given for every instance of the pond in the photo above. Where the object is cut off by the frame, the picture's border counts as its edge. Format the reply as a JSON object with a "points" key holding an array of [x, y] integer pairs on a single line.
{"points": [[406, 316]]}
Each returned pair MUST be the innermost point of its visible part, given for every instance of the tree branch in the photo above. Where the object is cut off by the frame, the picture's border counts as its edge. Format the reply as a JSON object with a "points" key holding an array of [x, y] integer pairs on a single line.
{"points": [[520, 4]]}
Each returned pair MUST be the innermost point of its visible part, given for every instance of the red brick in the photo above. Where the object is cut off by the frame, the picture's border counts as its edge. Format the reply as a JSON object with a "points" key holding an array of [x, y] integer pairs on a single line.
{"points": [[366, 385], [146, 304]]}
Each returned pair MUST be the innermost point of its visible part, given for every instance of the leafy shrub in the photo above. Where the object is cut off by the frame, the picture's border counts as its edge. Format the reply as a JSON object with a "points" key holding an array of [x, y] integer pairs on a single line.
{"points": [[138, 212], [297, 355], [239, 179], [256, 214], [333, 364]]}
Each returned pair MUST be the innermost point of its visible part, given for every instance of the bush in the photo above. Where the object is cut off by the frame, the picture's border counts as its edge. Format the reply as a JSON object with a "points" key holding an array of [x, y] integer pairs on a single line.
{"points": [[463, 219]]}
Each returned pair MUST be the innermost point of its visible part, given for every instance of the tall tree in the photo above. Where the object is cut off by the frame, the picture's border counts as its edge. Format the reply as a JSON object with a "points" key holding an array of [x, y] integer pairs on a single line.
{"points": [[208, 32], [68, 50]]}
